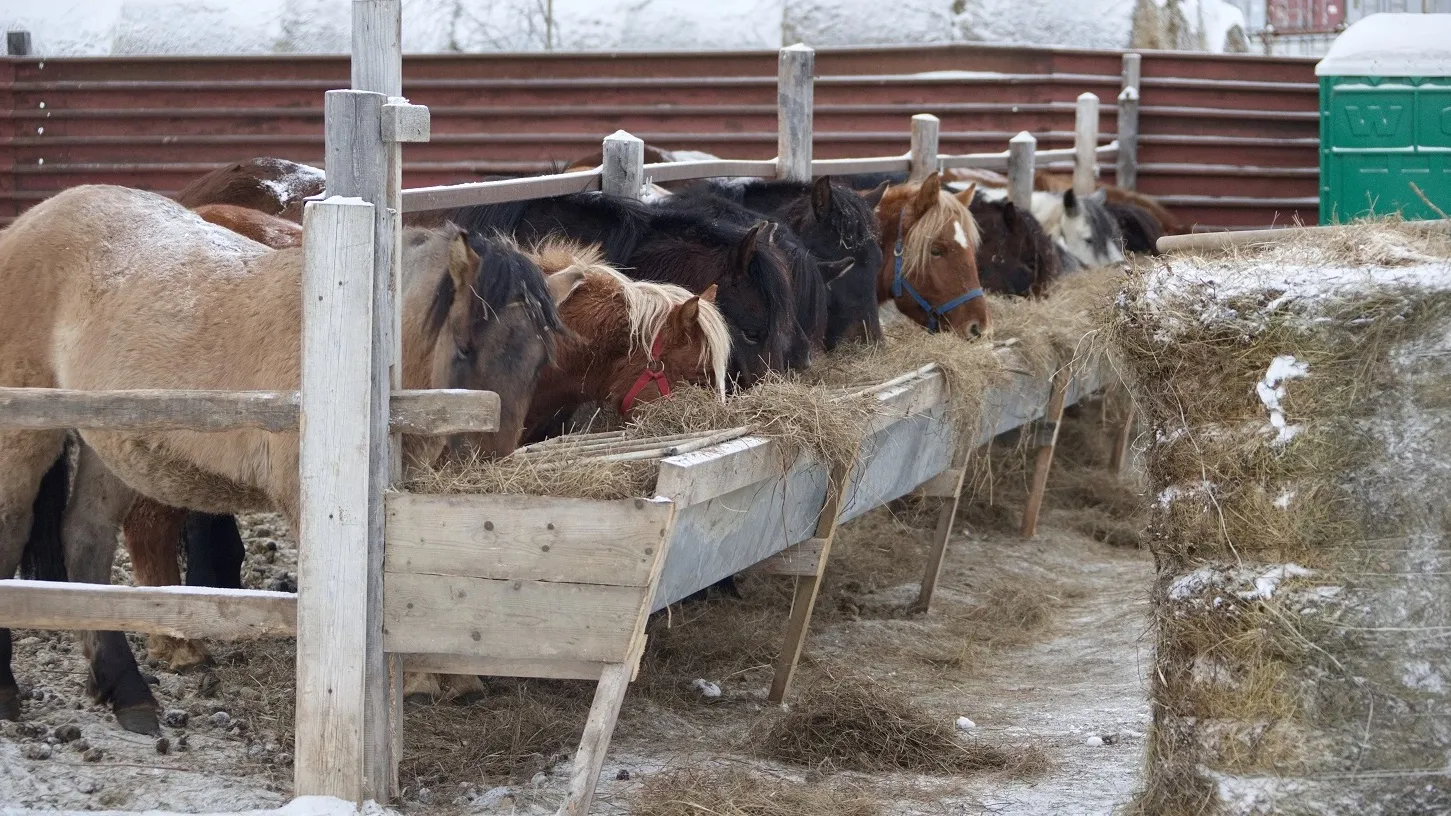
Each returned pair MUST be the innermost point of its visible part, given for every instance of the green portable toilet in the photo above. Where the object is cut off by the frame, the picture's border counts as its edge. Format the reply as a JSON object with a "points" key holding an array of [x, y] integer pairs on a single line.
{"points": [[1385, 118]]}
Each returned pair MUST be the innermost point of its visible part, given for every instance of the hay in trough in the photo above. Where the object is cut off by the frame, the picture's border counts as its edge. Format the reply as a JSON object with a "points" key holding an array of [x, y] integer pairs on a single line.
{"points": [[1300, 523], [848, 722], [550, 474], [737, 792]]}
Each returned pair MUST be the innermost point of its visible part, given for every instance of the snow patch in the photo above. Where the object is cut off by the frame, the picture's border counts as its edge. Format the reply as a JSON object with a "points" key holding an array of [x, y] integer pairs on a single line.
{"points": [[1258, 584], [1391, 45], [1283, 500], [707, 689], [965, 724], [1271, 392], [1267, 583], [300, 179]]}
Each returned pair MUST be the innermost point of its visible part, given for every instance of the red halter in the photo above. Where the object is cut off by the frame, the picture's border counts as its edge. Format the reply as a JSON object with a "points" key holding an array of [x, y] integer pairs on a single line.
{"points": [[654, 372]]}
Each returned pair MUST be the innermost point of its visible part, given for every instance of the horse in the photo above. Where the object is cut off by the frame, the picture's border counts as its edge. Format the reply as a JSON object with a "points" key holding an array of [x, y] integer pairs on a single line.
{"points": [[929, 269], [688, 249], [1016, 256], [839, 229], [268, 230], [273, 186], [105, 287], [1084, 232], [629, 342], [1119, 200]]}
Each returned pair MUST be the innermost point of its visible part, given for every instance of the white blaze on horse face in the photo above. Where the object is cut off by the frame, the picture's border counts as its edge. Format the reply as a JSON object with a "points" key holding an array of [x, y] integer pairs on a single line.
{"points": [[959, 235]]}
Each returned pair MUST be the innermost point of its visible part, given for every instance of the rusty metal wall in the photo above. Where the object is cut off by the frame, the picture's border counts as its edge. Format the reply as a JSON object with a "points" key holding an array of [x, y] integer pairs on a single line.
{"points": [[1227, 140]]}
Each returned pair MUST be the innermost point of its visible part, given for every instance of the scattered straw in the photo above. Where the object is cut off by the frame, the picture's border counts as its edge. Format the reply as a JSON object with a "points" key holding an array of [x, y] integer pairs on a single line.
{"points": [[736, 792], [849, 722]]}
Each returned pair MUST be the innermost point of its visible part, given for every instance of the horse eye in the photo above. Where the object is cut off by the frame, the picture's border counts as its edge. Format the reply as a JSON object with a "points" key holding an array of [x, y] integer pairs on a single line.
{"points": [[936, 253], [462, 354]]}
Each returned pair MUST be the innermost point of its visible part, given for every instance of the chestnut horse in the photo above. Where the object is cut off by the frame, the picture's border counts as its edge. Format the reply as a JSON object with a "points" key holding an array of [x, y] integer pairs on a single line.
{"points": [[273, 186], [268, 230], [97, 272], [929, 258]]}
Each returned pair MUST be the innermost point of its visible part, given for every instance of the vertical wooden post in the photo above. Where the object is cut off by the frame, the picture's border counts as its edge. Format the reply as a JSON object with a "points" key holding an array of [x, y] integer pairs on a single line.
{"points": [[925, 129], [1120, 456], [378, 46], [623, 171], [794, 103], [357, 165], [1085, 145], [333, 569], [1126, 173], [1022, 155], [17, 43], [1047, 442]]}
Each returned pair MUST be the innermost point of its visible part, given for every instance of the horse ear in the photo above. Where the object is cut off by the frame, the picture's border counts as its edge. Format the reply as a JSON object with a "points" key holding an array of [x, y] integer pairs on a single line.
{"points": [[687, 314], [927, 194], [463, 262], [562, 284], [873, 196], [749, 245], [1098, 196], [709, 294], [831, 270], [1070, 202], [821, 198], [968, 194]]}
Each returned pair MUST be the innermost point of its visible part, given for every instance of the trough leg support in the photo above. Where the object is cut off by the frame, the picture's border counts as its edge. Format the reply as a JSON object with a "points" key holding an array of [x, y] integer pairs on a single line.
{"points": [[946, 515], [590, 758], [1125, 436], [806, 588], [1051, 419]]}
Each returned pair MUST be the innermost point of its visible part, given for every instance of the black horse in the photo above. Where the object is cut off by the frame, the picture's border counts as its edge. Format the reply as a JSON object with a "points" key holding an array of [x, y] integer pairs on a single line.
{"points": [[1016, 257]]}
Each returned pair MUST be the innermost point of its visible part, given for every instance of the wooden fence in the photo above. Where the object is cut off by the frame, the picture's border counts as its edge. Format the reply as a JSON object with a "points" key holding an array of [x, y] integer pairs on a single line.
{"points": [[1227, 140], [525, 586]]}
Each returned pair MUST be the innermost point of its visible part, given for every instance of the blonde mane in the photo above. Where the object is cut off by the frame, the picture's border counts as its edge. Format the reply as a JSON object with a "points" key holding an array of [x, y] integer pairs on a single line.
{"points": [[917, 243], [647, 304]]}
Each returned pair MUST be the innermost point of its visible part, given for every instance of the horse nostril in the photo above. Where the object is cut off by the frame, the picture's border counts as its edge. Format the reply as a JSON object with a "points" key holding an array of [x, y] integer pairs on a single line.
{"points": [[975, 329]]}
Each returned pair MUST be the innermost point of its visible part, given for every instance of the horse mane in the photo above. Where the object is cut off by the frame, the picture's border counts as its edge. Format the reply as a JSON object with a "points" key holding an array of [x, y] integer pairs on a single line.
{"points": [[628, 220], [1141, 230], [917, 242], [504, 276], [648, 305], [850, 217]]}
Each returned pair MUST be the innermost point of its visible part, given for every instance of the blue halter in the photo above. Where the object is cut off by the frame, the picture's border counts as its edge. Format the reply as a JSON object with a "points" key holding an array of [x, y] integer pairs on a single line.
{"points": [[900, 284]]}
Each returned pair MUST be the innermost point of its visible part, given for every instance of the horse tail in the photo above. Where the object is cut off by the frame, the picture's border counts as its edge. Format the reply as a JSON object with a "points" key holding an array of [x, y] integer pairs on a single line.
{"points": [[43, 558]]}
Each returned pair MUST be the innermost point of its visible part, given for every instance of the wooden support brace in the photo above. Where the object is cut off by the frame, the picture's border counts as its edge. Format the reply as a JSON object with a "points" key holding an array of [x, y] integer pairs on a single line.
{"points": [[1121, 444], [802, 559], [1047, 441], [590, 758], [948, 485]]}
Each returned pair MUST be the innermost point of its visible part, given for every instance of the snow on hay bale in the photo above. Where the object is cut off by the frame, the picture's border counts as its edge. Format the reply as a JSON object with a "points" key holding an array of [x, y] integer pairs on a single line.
{"points": [[827, 410], [1301, 457]]}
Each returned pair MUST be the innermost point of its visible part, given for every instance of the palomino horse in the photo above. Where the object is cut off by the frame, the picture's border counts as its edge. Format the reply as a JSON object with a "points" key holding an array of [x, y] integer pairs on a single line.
{"points": [[630, 341], [687, 249], [96, 272], [273, 186], [929, 265]]}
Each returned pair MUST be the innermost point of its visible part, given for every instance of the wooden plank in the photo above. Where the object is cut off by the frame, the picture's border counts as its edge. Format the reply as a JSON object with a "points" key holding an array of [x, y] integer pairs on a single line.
{"points": [[980, 161], [794, 94], [623, 171], [662, 172], [702, 475], [426, 413], [798, 559], [403, 122], [175, 611], [1052, 418], [590, 758], [529, 538], [449, 196], [849, 167], [1223, 240], [509, 619], [1126, 175], [552, 669], [333, 580], [943, 485], [1085, 144], [925, 128], [895, 460], [1022, 161]]}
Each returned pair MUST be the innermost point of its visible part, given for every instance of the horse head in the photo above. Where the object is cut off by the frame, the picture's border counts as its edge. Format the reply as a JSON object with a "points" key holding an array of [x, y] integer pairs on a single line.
{"points": [[1016, 257], [929, 263], [1082, 225], [491, 324], [755, 295]]}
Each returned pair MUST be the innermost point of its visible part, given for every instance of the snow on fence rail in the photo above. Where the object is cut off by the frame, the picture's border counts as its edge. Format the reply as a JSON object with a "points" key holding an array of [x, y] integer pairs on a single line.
{"points": [[575, 608]]}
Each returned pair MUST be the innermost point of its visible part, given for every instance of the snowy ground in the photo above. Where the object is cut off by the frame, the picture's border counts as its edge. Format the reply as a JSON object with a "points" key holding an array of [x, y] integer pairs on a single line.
{"points": [[1079, 676]]}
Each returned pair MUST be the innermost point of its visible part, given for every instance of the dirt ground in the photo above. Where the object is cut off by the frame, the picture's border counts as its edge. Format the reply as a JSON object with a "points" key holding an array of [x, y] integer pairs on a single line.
{"points": [[1040, 644]]}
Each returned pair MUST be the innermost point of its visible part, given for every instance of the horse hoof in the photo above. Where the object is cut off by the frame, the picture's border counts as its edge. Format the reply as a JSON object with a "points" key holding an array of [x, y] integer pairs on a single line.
{"points": [[139, 720], [10, 704]]}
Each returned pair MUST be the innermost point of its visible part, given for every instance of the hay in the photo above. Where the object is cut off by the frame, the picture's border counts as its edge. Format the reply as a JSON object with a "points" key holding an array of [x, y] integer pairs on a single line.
{"points": [[1252, 680], [849, 722], [736, 792], [550, 474]]}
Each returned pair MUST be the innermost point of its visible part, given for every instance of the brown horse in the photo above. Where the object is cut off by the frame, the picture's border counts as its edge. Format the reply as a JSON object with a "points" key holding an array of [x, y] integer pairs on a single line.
{"points": [[929, 266], [268, 230], [110, 288], [273, 186]]}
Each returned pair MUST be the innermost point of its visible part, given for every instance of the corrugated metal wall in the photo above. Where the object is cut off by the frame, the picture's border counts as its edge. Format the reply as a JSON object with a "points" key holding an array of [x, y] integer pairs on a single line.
{"points": [[1227, 140]]}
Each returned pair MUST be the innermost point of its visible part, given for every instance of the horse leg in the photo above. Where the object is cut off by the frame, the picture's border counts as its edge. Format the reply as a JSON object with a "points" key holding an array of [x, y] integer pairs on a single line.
{"points": [[99, 503], [214, 551], [152, 534], [25, 457]]}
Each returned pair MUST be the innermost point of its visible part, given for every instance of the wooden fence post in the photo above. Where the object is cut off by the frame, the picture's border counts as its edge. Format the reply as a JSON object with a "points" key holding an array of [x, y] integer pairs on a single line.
{"points": [[357, 163], [1022, 152], [1126, 174], [623, 171], [925, 129], [794, 95], [334, 577], [1085, 145], [17, 43]]}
